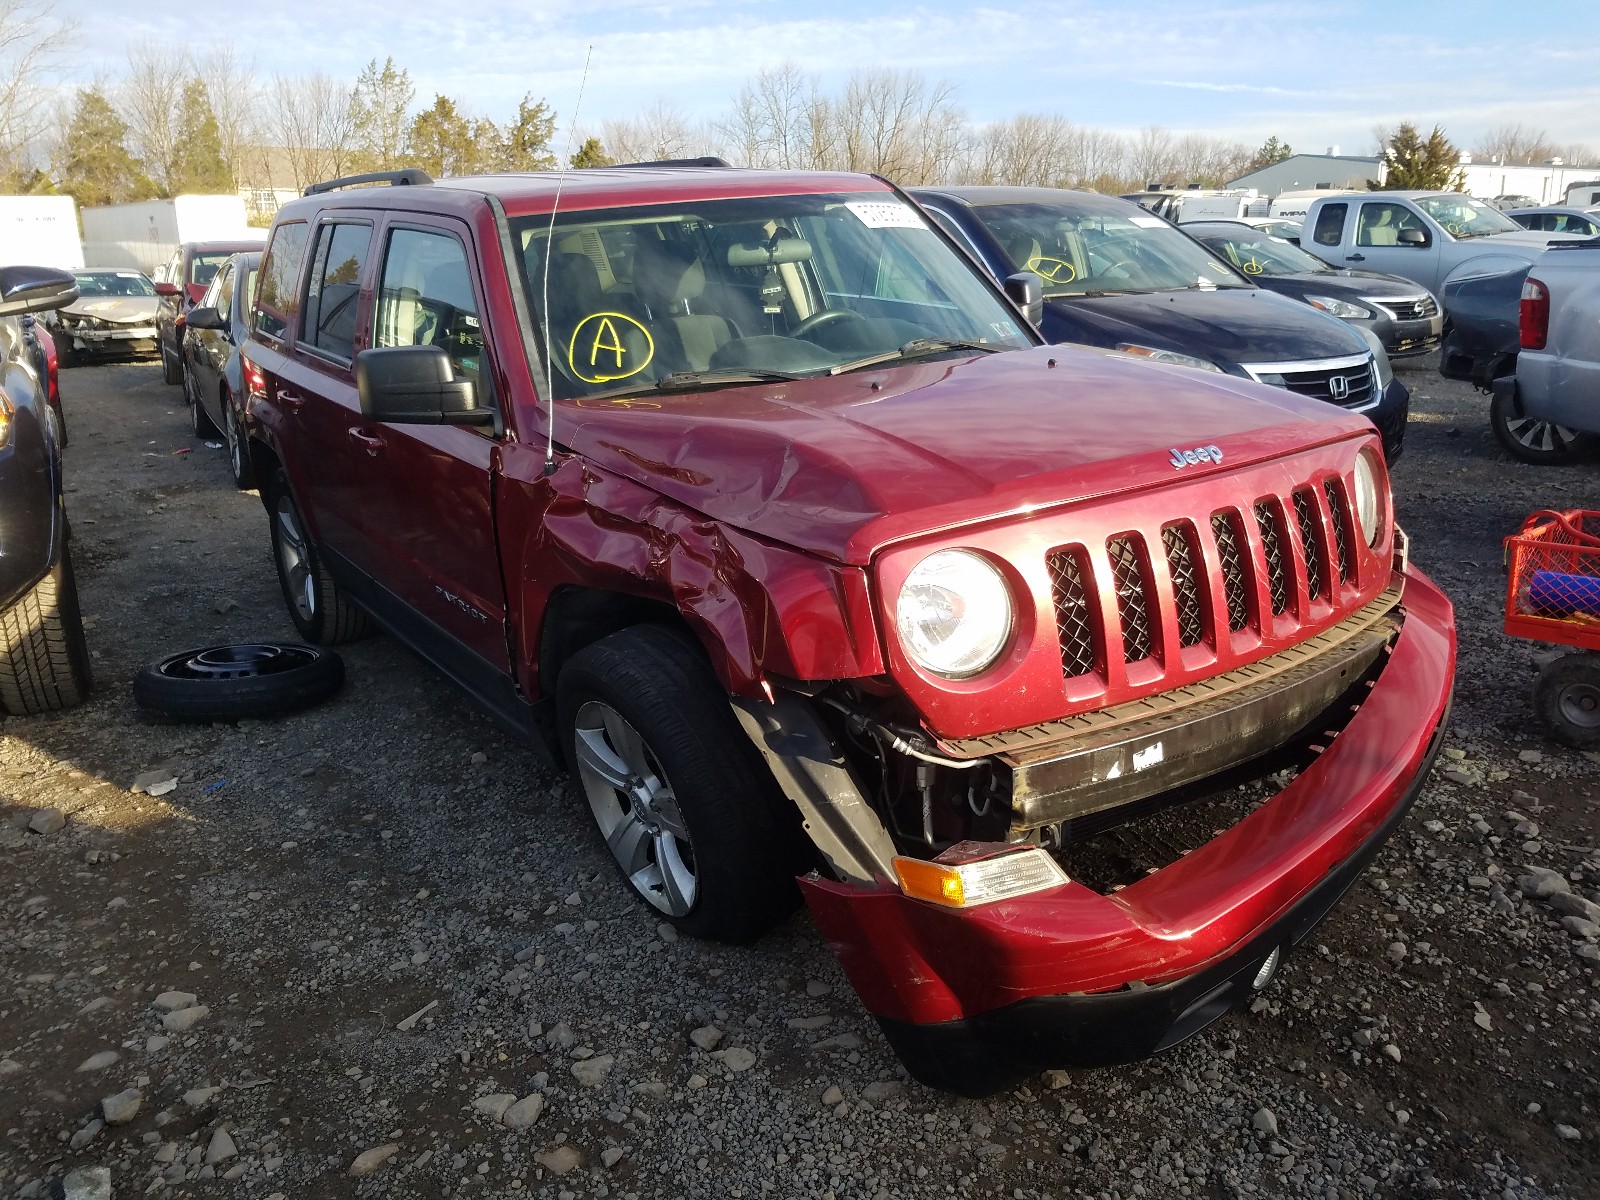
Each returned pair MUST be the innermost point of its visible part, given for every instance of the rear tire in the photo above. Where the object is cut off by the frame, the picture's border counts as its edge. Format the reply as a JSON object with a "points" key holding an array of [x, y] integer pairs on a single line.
{"points": [[1530, 441], [244, 470], [1567, 696], [696, 827], [316, 604], [44, 659], [199, 420], [171, 365]]}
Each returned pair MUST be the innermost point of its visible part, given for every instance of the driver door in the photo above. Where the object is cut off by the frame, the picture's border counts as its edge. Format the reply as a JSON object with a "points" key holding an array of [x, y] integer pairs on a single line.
{"points": [[1378, 247]]}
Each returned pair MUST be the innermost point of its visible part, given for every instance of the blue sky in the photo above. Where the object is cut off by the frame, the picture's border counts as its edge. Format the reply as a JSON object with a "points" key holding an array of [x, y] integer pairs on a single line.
{"points": [[1314, 73]]}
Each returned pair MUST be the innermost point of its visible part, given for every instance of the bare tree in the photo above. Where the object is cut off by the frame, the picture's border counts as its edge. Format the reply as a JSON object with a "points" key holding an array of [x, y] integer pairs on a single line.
{"points": [[779, 120], [1152, 157], [1030, 150], [236, 99], [661, 131], [896, 123], [1580, 154], [148, 100], [1516, 143], [313, 120], [32, 43]]}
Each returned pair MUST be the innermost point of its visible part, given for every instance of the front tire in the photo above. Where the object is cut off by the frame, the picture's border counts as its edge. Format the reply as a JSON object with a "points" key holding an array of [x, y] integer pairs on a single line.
{"points": [[244, 471], [688, 811], [316, 603], [1531, 441], [171, 365], [44, 658]]}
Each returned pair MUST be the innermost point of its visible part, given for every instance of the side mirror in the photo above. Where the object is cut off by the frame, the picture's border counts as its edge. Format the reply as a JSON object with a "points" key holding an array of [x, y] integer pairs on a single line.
{"points": [[35, 289], [167, 289], [205, 317], [416, 385], [1411, 237], [1026, 290]]}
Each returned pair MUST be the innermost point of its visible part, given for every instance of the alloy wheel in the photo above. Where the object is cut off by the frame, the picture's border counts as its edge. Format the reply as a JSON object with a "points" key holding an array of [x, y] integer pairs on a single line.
{"points": [[230, 431], [634, 805], [294, 560], [1541, 437]]}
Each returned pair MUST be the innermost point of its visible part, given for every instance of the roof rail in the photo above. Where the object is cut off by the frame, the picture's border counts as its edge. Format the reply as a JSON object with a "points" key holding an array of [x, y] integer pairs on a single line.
{"points": [[411, 175], [709, 160]]}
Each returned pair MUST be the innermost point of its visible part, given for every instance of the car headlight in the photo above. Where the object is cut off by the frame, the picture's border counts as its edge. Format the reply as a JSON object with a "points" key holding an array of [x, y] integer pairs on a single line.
{"points": [[1155, 354], [1335, 307], [954, 613], [1371, 498]]}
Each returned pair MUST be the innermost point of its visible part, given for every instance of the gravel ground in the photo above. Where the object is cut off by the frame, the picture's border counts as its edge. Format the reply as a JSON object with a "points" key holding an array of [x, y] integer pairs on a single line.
{"points": [[374, 949]]}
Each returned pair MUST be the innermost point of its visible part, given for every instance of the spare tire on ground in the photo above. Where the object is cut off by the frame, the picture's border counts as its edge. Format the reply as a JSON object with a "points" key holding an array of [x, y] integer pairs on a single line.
{"points": [[226, 683]]}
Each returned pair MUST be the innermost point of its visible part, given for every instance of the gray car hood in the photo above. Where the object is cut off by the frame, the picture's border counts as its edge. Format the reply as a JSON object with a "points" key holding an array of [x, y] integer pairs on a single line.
{"points": [[120, 310]]}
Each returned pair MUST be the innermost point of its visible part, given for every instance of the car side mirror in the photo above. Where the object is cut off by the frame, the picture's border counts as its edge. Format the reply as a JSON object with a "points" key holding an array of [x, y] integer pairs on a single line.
{"points": [[1026, 291], [35, 289], [168, 289], [205, 317], [416, 385], [1411, 237]]}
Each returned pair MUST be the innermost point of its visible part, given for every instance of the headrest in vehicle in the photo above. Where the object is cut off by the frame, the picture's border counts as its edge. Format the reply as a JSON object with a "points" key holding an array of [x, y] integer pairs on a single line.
{"points": [[666, 273]]}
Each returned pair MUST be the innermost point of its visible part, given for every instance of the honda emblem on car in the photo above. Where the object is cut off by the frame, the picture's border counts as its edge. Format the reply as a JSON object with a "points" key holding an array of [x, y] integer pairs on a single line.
{"points": [[1339, 387], [1200, 454]]}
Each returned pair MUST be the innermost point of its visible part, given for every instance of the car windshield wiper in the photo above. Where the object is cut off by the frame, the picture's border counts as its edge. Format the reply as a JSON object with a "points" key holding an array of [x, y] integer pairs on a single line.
{"points": [[916, 348], [683, 381]]}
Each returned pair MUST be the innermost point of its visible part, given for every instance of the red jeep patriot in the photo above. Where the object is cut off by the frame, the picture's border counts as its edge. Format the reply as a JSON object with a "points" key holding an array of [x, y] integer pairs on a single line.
{"points": [[1075, 689]]}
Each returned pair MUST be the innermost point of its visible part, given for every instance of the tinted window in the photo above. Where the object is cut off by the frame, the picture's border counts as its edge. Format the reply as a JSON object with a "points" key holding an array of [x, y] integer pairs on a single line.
{"points": [[224, 297], [335, 288], [203, 267], [278, 299], [1330, 224], [426, 299]]}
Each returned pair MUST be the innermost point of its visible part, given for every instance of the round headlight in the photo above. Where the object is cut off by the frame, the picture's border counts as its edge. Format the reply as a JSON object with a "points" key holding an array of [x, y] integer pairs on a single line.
{"points": [[1369, 496], [954, 614]]}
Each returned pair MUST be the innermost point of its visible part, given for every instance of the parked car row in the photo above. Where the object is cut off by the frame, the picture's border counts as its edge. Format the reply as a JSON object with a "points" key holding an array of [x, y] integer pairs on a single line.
{"points": [[761, 500]]}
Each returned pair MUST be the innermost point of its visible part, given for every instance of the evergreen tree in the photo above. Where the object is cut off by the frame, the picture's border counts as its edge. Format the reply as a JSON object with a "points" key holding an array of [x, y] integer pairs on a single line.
{"points": [[96, 166], [381, 103], [1272, 150], [1414, 162], [591, 154], [198, 164], [525, 145], [444, 142]]}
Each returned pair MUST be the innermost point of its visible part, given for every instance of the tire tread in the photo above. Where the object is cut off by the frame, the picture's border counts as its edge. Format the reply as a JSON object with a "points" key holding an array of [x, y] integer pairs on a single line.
{"points": [[44, 660]]}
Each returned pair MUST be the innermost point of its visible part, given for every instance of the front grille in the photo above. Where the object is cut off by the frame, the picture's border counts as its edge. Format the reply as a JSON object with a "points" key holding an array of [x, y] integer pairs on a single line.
{"points": [[1178, 539], [1348, 387], [1341, 535], [1128, 579], [1305, 516], [1137, 588], [1272, 540], [1073, 621], [1234, 580], [1414, 308]]}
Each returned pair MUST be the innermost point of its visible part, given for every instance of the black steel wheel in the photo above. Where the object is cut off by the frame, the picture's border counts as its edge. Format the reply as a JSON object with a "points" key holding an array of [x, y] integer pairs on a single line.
{"points": [[1567, 696], [226, 683]]}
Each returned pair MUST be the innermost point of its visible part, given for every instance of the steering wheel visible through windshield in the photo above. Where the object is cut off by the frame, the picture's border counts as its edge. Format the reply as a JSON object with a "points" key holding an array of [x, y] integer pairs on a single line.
{"points": [[1464, 217], [1086, 251], [1257, 254], [691, 294]]}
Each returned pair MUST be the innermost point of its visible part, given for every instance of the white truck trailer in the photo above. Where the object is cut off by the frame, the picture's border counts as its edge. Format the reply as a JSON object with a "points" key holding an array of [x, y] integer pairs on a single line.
{"points": [[144, 235], [40, 231]]}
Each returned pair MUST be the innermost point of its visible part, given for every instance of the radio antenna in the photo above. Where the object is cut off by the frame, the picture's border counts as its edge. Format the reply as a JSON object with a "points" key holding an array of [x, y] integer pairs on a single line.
{"points": [[549, 253]]}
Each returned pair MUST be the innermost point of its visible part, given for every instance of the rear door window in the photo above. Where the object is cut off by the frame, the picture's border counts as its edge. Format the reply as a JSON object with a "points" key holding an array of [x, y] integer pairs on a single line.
{"points": [[334, 292], [278, 299], [1330, 224], [223, 300]]}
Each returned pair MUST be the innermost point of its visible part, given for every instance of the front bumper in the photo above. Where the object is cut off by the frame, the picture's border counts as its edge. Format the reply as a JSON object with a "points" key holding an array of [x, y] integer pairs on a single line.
{"points": [[121, 339], [974, 1000], [1407, 339]]}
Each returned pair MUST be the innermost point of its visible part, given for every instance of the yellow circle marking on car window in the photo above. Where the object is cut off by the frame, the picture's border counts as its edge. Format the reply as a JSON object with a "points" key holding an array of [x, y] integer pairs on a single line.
{"points": [[1250, 267], [596, 352], [1051, 270]]}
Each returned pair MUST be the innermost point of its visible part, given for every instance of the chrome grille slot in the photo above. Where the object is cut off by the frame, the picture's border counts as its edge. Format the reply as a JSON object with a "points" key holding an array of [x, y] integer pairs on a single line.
{"points": [[1182, 553], [1133, 610], [1305, 509], [1272, 540], [1074, 624], [1234, 580]]}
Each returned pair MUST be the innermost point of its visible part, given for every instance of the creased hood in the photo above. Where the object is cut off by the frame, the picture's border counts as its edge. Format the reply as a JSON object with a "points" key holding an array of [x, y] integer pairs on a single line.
{"points": [[121, 310], [843, 466]]}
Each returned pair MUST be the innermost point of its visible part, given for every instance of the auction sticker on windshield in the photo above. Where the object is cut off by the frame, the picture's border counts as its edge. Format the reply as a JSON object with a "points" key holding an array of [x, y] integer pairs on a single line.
{"points": [[878, 214], [1147, 222]]}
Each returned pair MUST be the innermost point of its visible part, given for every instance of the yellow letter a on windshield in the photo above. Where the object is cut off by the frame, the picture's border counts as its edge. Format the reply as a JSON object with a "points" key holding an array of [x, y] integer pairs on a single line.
{"points": [[605, 329]]}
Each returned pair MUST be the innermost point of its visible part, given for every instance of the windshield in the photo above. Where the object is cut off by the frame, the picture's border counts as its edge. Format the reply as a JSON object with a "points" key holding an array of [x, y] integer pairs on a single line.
{"points": [[1261, 254], [113, 283], [203, 267], [1464, 217], [1081, 251], [672, 294]]}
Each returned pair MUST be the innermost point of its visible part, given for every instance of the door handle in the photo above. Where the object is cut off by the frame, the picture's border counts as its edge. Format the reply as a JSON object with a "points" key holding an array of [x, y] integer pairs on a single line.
{"points": [[1355, 258], [290, 400], [370, 442]]}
